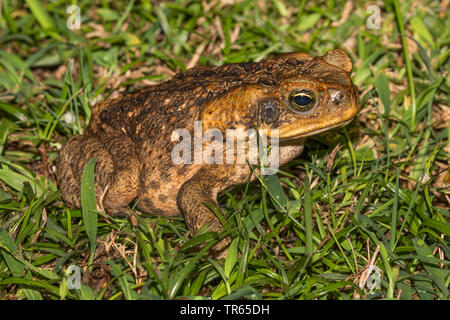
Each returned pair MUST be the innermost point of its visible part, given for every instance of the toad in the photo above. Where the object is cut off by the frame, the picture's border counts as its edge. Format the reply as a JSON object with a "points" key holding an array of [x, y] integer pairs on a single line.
{"points": [[132, 137]]}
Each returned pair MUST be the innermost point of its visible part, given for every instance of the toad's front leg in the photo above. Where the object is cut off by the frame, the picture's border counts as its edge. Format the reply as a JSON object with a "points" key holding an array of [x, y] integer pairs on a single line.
{"points": [[203, 188]]}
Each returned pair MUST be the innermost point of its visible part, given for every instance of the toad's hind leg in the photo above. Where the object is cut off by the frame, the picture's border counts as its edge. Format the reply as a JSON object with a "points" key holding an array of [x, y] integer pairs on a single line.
{"points": [[116, 171]]}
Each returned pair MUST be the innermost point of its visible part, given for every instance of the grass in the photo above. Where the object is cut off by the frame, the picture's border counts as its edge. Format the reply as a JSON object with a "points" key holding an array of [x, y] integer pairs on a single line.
{"points": [[367, 202]]}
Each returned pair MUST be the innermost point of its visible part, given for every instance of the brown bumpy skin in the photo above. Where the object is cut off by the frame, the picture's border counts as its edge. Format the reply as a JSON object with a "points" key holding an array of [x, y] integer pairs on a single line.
{"points": [[132, 136]]}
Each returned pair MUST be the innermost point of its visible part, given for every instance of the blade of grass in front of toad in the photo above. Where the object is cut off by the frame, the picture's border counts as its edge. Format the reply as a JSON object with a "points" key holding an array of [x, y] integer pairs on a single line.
{"points": [[271, 184], [89, 204], [308, 218]]}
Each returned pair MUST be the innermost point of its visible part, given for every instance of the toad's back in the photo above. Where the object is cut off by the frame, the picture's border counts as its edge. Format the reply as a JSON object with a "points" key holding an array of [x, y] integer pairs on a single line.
{"points": [[180, 99]]}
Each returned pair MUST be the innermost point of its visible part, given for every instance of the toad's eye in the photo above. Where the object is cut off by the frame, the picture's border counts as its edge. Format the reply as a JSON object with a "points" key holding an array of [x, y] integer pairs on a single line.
{"points": [[302, 100]]}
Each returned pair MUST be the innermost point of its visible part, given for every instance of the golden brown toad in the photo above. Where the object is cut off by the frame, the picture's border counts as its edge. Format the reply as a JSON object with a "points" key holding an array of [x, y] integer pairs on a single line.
{"points": [[132, 136]]}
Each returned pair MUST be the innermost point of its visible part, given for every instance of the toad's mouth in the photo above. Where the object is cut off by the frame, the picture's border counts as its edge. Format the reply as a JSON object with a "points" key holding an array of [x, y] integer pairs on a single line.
{"points": [[314, 132]]}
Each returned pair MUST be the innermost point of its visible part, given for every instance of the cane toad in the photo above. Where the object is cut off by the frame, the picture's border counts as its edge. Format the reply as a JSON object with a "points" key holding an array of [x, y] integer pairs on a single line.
{"points": [[132, 136]]}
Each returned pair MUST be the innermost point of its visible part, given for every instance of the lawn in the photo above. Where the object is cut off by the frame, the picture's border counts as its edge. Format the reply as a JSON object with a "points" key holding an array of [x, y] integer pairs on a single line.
{"points": [[363, 213]]}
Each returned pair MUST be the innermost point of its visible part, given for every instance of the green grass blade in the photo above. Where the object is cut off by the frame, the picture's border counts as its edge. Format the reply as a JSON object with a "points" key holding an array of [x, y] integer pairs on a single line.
{"points": [[308, 218], [89, 203], [412, 90], [436, 274], [40, 14], [231, 258]]}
